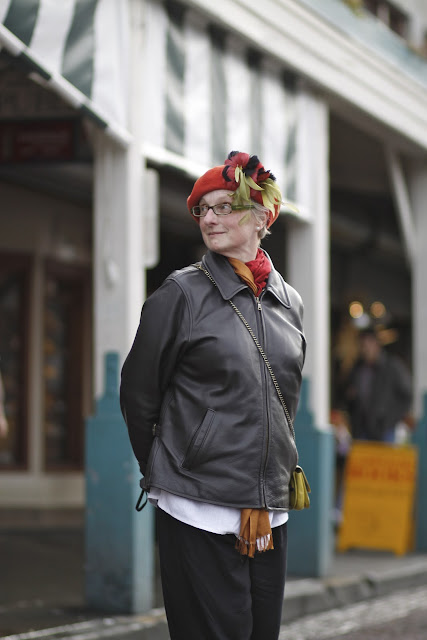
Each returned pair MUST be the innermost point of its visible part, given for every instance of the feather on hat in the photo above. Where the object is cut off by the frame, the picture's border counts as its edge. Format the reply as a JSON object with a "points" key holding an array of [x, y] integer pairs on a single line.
{"points": [[246, 178]]}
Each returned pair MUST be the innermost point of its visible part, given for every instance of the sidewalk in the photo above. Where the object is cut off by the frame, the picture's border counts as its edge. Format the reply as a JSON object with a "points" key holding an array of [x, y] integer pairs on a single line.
{"points": [[42, 587]]}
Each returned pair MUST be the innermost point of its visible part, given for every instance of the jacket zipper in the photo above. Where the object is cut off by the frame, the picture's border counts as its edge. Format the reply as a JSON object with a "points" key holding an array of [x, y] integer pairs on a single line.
{"points": [[261, 334]]}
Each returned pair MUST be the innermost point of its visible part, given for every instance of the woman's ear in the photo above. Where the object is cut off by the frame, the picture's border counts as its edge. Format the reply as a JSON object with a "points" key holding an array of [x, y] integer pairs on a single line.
{"points": [[265, 221]]}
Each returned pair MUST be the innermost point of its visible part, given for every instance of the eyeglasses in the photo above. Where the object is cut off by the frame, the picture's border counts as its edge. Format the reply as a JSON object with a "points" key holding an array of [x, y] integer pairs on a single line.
{"points": [[221, 209]]}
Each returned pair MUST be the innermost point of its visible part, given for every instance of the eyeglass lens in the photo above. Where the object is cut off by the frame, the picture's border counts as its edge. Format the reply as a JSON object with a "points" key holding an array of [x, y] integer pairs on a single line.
{"points": [[221, 209]]}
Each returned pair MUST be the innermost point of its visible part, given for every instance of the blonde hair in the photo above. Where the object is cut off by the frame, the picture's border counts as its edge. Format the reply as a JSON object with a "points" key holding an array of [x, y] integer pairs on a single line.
{"points": [[261, 214]]}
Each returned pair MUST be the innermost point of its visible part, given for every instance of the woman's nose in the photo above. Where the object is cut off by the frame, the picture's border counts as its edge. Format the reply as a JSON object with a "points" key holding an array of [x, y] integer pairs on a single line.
{"points": [[211, 216]]}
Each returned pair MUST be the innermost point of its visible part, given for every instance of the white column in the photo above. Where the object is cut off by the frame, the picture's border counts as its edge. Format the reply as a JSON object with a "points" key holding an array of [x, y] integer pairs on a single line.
{"points": [[119, 283], [118, 272], [417, 182], [119, 567], [308, 246]]}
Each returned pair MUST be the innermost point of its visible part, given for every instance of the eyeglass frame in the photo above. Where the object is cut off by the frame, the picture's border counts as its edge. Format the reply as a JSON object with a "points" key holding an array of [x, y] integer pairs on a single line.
{"points": [[234, 207]]}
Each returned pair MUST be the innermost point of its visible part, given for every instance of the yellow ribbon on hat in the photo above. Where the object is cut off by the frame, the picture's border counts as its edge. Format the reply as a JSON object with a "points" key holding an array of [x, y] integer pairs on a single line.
{"points": [[271, 194]]}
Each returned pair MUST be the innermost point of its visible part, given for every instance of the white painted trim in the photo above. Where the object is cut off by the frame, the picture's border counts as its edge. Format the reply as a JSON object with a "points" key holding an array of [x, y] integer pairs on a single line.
{"points": [[307, 248], [151, 219], [161, 156], [402, 201], [302, 214], [330, 60], [417, 186]]}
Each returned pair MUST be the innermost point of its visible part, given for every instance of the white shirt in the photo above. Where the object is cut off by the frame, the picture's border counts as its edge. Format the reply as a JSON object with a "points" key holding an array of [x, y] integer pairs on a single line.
{"points": [[209, 517]]}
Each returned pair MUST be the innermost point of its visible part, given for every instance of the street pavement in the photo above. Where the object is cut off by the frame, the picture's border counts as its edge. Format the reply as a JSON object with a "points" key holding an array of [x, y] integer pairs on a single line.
{"points": [[42, 593], [402, 614]]}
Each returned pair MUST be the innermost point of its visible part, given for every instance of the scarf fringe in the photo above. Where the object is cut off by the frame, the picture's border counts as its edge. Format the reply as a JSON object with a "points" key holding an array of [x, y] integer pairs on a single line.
{"points": [[246, 548]]}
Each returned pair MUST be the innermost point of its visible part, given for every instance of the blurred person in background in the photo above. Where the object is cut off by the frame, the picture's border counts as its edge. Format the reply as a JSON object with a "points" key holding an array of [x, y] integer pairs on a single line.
{"points": [[205, 421], [343, 441], [378, 391]]}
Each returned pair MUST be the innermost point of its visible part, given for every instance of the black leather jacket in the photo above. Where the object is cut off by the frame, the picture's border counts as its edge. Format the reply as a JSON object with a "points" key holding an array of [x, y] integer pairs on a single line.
{"points": [[204, 418]]}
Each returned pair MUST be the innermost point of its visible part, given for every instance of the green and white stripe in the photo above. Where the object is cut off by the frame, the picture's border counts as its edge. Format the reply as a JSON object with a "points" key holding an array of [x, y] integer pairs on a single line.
{"points": [[79, 49], [175, 56], [237, 111], [205, 91], [209, 93]]}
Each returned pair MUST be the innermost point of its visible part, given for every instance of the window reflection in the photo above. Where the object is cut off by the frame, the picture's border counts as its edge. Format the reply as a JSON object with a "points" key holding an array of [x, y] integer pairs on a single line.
{"points": [[63, 366], [13, 331]]}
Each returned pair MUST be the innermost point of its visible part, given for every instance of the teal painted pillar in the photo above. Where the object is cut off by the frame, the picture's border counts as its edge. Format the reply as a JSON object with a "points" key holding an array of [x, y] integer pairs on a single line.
{"points": [[310, 532], [420, 440], [119, 540]]}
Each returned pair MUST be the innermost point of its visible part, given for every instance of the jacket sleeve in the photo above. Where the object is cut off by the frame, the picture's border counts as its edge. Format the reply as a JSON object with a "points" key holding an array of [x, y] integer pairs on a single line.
{"points": [[159, 342]]}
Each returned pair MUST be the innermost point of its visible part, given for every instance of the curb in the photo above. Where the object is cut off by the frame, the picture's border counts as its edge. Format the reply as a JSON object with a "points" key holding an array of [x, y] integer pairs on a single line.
{"points": [[303, 597], [151, 626], [308, 596]]}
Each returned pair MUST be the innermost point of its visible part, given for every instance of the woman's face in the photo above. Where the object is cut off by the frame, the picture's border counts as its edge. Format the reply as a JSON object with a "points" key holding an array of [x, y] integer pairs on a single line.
{"points": [[234, 235]]}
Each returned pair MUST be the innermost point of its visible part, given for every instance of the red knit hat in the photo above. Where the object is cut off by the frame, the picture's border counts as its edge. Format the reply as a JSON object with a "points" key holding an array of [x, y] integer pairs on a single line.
{"points": [[245, 175]]}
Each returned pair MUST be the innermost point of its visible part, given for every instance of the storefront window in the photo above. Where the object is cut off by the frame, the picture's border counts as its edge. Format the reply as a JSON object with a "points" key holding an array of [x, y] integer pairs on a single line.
{"points": [[14, 274], [63, 367]]}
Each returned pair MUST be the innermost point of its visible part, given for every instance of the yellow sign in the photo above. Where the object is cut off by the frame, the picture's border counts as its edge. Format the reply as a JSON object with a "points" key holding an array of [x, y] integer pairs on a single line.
{"points": [[379, 492]]}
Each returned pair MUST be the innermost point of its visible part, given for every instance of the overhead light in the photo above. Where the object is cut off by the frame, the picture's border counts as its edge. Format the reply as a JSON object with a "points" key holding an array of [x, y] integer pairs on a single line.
{"points": [[355, 309], [377, 309]]}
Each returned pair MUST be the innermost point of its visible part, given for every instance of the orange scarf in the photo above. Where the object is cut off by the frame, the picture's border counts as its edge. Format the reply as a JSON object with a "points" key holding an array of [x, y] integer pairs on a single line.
{"points": [[255, 529], [253, 273], [255, 532]]}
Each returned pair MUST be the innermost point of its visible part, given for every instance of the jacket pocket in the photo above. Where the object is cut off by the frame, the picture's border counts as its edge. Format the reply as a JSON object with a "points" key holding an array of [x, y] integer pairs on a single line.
{"points": [[197, 444]]}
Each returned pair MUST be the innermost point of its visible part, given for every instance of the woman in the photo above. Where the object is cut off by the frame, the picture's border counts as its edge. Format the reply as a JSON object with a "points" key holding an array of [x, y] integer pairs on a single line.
{"points": [[204, 418]]}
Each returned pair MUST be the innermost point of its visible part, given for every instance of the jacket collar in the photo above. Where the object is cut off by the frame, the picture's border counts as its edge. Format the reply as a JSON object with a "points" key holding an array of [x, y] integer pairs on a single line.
{"points": [[229, 283]]}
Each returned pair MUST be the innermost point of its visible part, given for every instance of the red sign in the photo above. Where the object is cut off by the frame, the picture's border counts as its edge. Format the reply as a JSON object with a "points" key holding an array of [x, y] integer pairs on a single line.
{"points": [[36, 141]]}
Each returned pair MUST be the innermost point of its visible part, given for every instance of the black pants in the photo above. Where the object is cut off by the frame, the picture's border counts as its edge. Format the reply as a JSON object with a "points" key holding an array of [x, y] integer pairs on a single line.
{"points": [[211, 592]]}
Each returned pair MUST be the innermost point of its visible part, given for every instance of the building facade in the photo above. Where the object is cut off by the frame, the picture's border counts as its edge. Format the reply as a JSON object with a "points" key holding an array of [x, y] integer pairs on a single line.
{"points": [[100, 140]]}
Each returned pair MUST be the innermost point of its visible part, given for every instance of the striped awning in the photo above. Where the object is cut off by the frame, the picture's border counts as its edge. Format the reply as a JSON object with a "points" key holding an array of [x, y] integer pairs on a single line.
{"points": [[211, 92], [78, 49]]}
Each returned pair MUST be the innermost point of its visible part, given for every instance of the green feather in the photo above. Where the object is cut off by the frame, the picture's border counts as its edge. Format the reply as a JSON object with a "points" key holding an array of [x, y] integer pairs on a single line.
{"points": [[253, 184]]}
